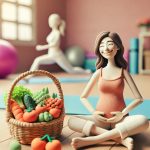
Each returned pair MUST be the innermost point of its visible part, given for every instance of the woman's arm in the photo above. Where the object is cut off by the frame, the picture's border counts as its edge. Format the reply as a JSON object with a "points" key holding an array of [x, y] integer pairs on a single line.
{"points": [[42, 47], [135, 91], [88, 89]]}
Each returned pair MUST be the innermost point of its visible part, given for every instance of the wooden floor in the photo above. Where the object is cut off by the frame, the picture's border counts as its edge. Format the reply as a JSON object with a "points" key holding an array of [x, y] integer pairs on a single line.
{"points": [[141, 141]]}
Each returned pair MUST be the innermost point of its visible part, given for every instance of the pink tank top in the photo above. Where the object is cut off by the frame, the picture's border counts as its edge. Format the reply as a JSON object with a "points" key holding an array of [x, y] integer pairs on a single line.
{"points": [[111, 95]]}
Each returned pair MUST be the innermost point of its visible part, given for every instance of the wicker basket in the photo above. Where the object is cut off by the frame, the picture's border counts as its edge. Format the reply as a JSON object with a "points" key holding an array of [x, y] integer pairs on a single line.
{"points": [[25, 132]]}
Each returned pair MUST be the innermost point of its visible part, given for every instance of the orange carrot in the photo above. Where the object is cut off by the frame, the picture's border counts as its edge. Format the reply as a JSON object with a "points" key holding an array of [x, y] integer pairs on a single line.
{"points": [[33, 115], [30, 116], [40, 109], [16, 110]]}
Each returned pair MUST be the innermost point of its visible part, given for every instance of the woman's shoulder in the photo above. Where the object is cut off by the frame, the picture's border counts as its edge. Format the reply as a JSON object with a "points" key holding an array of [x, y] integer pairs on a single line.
{"points": [[53, 35], [125, 72], [97, 72]]}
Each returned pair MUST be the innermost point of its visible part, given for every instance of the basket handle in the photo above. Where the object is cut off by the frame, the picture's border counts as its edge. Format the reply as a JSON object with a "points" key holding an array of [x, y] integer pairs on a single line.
{"points": [[23, 75]]}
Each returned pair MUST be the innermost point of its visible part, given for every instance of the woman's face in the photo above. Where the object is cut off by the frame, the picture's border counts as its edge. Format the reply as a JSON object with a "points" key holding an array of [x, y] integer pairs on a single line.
{"points": [[108, 48], [54, 21]]}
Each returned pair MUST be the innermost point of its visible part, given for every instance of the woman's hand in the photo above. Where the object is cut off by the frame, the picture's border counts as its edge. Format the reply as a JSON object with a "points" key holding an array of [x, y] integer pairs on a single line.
{"points": [[117, 116], [39, 47], [99, 116]]}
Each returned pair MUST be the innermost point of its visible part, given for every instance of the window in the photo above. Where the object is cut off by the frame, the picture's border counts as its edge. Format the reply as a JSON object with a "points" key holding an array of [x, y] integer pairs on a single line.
{"points": [[17, 20]]}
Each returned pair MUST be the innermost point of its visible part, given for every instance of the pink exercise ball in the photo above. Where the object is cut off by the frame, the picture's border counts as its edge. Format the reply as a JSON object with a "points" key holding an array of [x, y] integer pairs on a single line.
{"points": [[8, 58]]}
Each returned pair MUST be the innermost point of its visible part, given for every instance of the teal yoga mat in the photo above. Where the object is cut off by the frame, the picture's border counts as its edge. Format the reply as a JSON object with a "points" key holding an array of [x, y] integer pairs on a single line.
{"points": [[2, 105], [36, 80], [74, 106]]}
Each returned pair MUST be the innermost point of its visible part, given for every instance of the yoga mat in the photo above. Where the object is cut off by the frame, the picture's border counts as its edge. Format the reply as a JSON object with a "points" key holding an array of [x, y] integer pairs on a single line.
{"points": [[36, 80], [2, 105], [73, 106]]}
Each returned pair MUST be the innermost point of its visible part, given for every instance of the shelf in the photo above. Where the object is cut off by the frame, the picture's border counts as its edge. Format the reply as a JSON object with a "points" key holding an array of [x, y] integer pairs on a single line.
{"points": [[142, 35]]}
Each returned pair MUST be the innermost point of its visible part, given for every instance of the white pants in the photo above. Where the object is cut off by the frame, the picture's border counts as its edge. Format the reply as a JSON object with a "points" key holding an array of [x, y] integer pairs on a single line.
{"points": [[129, 125], [58, 58]]}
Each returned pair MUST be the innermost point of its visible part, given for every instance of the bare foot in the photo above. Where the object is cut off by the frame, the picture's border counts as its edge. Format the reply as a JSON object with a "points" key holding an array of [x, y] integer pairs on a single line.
{"points": [[128, 142], [81, 142]]}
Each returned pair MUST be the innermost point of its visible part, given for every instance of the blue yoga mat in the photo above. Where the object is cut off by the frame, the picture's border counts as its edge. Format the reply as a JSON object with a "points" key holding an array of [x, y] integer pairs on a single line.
{"points": [[2, 105], [74, 106], [36, 80]]}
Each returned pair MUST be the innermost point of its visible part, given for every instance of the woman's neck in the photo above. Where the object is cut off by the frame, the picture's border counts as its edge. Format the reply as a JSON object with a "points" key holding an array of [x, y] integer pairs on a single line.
{"points": [[54, 28], [111, 63]]}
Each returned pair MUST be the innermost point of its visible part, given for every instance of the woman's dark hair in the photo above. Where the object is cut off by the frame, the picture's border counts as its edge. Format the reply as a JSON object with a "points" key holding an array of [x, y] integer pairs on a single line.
{"points": [[119, 60]]}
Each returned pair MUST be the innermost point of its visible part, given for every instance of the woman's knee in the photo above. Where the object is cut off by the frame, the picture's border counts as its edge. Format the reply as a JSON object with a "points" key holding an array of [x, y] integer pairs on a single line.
{"points": [[80, 125], [132, 125], [139, 124], [76, 123], [137, 120], [142, 121]]}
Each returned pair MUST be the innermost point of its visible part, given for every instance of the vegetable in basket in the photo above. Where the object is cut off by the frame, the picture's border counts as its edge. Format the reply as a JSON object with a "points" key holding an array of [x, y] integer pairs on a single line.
{"points": [[30, 116], [45, 117], [39, 109], [18, 94], [54, 103], [55, 112], [39, 93], [29, 102], [16, 110], [54, 95], [40, 96]]}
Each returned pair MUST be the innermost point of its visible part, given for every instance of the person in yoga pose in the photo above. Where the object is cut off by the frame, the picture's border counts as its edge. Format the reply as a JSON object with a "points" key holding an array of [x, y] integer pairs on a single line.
{"points": [[110, 119], [55, 54]]}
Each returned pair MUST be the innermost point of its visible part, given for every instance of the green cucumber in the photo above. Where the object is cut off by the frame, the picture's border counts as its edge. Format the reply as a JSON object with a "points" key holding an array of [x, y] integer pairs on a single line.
{"points": [[29, 102]]}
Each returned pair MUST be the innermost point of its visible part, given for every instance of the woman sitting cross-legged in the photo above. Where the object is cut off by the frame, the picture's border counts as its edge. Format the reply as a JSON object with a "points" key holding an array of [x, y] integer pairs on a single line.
{"points": [[110, 120]]}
